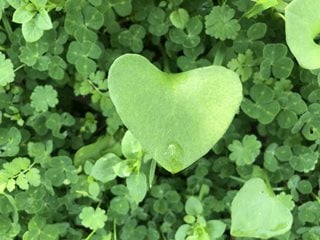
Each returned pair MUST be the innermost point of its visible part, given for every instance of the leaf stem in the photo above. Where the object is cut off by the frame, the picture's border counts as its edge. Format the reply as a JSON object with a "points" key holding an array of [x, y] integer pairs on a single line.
{"points": [[166, 65], [114, 230], [21, 66], [91, 234], [7, 26], [279, 189], [96, 88], [237, 179], [152, 172]]}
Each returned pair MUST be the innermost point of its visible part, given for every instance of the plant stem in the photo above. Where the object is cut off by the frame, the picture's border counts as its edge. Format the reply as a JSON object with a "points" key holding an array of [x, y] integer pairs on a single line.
{"points": [[152, 172], [237, 179], [91, 234], [21, 66], [7, 26], [166, 65], [114, 230]]}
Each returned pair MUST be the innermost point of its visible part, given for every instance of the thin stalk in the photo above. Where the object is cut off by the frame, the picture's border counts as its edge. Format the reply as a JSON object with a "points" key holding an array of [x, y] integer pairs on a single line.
{"points": [[237, 179], [21, 66], [152, 172], [7, 26], [91, 234]]}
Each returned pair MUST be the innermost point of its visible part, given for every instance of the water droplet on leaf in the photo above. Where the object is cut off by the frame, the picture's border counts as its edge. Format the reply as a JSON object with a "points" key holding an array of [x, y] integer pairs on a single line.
{"points": [[174, 154]]}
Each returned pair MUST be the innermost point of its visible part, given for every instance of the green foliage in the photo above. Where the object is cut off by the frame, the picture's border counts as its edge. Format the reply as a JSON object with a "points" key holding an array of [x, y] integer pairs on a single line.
{"points": [[39, 229], [69, 167], [34, 18]]}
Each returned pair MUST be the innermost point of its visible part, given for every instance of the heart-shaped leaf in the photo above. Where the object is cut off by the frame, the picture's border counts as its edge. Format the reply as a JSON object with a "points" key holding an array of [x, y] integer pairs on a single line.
{"points": [[176, 117], [257, 212], [302, 27]]}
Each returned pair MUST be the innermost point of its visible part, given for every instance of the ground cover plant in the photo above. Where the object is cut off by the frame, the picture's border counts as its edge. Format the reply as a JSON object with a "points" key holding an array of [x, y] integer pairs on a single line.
{"points": [[150, 119]]}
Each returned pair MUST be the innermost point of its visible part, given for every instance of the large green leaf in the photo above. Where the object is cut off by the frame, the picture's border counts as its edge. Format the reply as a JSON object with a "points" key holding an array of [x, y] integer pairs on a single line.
{"points": [[257, 212], [176, 117], [302, 27]]}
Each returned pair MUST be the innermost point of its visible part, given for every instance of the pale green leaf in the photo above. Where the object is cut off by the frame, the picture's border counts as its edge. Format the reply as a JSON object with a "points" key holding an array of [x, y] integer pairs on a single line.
{"points": [[256, 212], [177, 118]]}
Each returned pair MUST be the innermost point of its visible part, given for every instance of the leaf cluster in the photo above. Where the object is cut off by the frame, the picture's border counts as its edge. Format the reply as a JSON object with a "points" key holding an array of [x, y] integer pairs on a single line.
{"points": [[69, 169]]}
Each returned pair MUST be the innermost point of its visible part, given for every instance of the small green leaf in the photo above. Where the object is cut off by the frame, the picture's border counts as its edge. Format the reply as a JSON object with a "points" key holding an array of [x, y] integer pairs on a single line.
{"points": [[43, 20], [93, 218], [31, 32], [179, 18], [102, 169], [193, 206], [221, 24], [44, 97], [137, 186], [6, 69], [130, 146], [23, 15], [39, 229], [257, 31], [256, 212], [245, 152], [215, 228]]}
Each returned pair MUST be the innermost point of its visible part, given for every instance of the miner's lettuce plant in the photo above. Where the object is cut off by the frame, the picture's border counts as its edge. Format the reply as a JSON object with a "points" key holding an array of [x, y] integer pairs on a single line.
{"points": [[151, 119]]}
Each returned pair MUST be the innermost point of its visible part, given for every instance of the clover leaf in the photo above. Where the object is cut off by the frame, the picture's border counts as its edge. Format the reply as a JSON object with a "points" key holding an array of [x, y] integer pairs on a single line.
{"points": [[93, 218], [158, 24], [221, 24], [245, 152], [179, 18], [265, 108], [309, 123], [102, 170], [242, 65], [6, 69], [10, 139], [34, 19], [189, 37], [275, 61], [33, 54], [44, 97], [133, 38], [309, 212], [191, 58], [39, 229], [304, 159], [81, 54], [292, 105], [137, 186]]}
